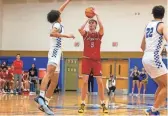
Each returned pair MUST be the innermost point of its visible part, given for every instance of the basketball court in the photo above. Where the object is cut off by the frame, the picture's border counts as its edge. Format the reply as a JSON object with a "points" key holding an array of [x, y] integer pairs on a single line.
{"points": [[68, 104]]}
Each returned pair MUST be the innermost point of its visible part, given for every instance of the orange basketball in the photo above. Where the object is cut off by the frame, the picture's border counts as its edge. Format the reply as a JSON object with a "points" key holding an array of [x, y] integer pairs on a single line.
{"points": [[89, 12]]}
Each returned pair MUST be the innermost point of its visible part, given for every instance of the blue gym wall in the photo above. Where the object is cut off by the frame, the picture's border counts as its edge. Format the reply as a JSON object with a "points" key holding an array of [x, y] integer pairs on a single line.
{"points": [[40, 62], [151, 86]]}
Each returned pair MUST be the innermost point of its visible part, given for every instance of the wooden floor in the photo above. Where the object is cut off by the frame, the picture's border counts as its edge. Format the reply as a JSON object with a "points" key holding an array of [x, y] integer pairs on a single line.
{"points": [[67, 104]]}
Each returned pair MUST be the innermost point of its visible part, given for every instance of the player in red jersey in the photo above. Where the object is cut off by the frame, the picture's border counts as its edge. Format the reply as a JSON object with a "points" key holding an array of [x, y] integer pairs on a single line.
{"points": [[91, 59]]}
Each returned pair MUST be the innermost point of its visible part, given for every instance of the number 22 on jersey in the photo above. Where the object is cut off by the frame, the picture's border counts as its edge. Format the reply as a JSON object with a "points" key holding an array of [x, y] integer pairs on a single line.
{"points": [[149, 32]]}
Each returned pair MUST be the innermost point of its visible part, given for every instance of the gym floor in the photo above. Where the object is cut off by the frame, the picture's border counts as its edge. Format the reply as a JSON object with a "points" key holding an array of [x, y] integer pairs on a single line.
{"points": [[67, 104]]}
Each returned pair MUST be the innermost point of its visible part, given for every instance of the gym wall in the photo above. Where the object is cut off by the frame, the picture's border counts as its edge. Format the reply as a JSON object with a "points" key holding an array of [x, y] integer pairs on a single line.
{"points": [[124, 22]]}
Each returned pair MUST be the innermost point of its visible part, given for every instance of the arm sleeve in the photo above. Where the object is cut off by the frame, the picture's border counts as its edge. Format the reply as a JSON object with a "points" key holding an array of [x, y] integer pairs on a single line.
{"points": [[57, 26]]}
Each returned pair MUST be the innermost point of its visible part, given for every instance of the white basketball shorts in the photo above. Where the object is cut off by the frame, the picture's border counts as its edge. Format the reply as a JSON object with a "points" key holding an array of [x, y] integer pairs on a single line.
{"points": [[54, 57], [154, 65]]}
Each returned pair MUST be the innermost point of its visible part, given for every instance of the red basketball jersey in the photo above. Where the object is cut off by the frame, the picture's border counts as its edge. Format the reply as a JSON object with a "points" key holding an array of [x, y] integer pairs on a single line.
{"points": [[92, 43]]}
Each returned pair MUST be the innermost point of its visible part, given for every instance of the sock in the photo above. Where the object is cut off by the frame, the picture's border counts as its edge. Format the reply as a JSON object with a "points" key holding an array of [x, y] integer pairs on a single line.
{"points": [[42, 93], [47, 100], [102, 102], [144, 91], [154, 109], [83, 102]]}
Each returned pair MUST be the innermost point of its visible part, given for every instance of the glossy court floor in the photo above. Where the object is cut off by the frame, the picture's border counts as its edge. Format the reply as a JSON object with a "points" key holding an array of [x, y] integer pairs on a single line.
{"points": [[67, 104]]}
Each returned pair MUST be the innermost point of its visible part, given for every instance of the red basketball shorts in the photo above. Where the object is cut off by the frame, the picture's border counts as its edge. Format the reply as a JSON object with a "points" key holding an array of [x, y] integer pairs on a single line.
{"points": [[90, 64]]}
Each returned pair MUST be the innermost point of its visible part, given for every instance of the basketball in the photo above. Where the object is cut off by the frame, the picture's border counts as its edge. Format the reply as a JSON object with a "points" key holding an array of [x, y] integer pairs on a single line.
{"points": [[89, 12]]}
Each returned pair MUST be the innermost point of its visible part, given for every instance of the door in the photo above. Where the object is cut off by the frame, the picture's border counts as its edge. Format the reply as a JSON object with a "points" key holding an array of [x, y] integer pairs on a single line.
{"points": [[122, 68], [71, 73], [122, 73], [108, 67]]}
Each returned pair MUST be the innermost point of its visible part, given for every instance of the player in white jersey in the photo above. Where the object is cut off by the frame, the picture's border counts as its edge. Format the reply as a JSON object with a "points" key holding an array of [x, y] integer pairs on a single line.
{"points": [[152, 45], [54, 56]]}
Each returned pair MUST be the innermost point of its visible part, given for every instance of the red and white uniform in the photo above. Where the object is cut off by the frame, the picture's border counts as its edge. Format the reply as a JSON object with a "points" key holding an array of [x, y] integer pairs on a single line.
{"points": [[91, 54]]}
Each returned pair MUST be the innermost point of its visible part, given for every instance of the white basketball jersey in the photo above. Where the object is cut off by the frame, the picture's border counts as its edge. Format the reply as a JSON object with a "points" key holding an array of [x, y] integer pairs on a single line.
{"points": [[56, 42], [154, 40]]}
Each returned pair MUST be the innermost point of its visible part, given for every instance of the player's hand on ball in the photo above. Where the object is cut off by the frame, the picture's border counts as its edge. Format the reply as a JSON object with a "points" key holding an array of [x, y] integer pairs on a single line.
{"points": [[94, 10], [71, 36]]}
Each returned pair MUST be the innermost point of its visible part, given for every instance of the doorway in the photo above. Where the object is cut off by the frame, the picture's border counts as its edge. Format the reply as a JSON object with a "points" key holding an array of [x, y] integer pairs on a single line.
{"points": [[118, 68]]}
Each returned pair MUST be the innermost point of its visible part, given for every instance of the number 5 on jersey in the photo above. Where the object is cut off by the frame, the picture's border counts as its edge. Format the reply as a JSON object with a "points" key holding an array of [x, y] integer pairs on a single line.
{"points": [[92, 45], [149, 32]]}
